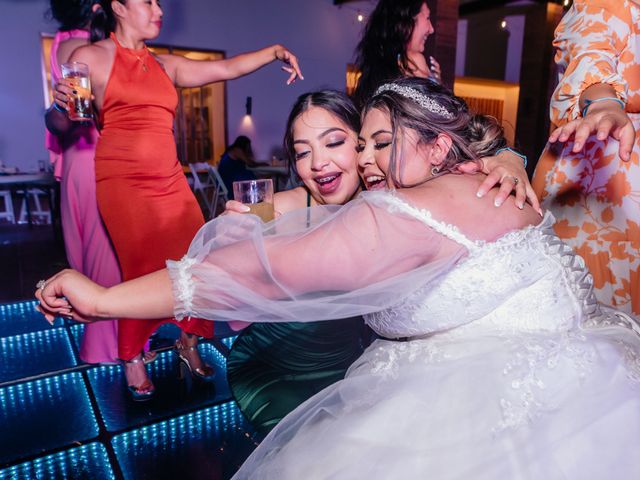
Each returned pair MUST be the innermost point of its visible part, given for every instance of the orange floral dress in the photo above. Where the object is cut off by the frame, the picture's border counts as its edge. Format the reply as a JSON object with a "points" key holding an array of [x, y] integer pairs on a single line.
{"points": [[594, 195]]}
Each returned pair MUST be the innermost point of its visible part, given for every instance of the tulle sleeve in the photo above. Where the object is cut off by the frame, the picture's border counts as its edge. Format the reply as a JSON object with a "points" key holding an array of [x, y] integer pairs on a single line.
{"points": [[316, 264], [590, 41]]}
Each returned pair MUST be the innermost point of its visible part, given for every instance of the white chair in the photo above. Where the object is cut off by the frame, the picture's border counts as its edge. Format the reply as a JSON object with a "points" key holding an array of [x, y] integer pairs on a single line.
{"points": [[38, 214], [210, 188], [7, 213]]}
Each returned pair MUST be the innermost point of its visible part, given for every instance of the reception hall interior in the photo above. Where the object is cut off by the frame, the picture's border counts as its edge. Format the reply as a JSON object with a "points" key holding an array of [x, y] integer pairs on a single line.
{"points": [[64, 416]]}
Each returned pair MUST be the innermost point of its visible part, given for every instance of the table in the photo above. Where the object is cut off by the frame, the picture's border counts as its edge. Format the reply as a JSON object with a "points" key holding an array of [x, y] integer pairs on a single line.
{"points": [[24, 181], [280, 174]]}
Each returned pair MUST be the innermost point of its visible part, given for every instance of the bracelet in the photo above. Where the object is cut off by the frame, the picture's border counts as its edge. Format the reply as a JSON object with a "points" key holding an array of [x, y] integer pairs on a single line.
{"points": [[59, 108], [587, 103], [509, 149]]}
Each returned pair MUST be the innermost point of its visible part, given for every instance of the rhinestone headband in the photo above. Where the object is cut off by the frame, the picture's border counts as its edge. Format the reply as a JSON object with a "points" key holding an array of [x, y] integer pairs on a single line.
{"points": [[416, 96]]}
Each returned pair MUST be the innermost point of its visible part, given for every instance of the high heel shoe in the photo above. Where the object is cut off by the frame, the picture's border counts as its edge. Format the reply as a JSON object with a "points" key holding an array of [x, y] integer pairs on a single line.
{"points": [[140, 393], [205, 372]]}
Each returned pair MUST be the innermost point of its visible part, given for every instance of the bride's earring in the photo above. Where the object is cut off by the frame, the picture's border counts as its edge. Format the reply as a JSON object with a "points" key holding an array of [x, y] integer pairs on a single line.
{"points": [[435, 171]]}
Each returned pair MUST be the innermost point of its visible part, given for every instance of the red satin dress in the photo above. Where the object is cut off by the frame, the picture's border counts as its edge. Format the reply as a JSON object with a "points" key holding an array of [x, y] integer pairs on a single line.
{"points": [[143, 196]]}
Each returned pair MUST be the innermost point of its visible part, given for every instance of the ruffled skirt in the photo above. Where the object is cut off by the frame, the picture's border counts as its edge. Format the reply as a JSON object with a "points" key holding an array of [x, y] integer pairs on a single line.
{"points": [[531, 406]]}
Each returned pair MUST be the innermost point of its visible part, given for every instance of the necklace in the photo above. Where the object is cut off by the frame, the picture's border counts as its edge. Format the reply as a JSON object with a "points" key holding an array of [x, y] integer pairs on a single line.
{"points": [[143, 62]]}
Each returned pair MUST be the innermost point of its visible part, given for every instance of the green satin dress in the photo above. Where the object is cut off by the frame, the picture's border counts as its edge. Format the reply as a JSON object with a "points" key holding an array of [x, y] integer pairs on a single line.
{"points": [[274, 367]]}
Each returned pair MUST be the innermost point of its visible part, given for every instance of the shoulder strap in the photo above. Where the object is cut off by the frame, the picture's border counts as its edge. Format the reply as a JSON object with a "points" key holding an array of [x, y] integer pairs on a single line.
{"points": [[450, 231]]}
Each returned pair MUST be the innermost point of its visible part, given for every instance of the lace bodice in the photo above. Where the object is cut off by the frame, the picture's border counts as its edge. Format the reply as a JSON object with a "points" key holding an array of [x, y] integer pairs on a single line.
{"points": [[527, 280]]}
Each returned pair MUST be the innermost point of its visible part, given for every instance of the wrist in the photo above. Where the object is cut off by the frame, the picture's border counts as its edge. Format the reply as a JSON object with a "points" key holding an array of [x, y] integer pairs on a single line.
{"points": [[603, 103], [58, 108], [518, 154]]}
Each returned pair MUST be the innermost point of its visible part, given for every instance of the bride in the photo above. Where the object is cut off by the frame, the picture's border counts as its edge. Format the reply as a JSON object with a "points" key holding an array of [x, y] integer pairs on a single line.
{"points": [[495, 361]]}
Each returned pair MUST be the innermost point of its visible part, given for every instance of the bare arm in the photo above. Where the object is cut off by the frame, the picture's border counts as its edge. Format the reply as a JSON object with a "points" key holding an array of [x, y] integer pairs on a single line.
{"points": [[146, 297], [193, 73]]}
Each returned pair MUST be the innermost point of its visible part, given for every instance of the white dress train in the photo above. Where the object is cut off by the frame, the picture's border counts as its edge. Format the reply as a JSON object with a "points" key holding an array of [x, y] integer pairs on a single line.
{"points": [[503, 365]]}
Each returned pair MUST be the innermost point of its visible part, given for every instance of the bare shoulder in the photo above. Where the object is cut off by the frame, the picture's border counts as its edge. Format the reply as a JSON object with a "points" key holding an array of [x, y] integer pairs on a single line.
{"points": [[94, 53], [290, 200], [452, 199]]}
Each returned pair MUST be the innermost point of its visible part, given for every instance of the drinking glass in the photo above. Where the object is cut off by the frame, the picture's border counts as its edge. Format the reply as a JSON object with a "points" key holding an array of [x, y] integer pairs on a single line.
{"points": [[79, 102], [257, 195]]}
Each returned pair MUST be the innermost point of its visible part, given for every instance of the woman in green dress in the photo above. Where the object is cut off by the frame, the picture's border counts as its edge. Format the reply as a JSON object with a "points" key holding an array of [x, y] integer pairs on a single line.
{"points": [[273, 368]]}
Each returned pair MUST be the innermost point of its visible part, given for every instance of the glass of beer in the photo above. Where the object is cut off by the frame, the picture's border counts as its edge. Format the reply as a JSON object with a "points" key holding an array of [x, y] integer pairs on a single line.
{"points": [[257, 195], [79, 101]]}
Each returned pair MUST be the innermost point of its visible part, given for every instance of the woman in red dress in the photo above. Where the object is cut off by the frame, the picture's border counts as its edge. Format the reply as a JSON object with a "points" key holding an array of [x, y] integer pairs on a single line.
{"points": [[143, 196]]}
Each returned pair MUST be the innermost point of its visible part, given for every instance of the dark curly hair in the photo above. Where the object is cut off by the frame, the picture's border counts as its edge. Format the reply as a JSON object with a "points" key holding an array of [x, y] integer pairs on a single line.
{"points": [[77, 14], [381, 54], [335, 102], [472, 136]]}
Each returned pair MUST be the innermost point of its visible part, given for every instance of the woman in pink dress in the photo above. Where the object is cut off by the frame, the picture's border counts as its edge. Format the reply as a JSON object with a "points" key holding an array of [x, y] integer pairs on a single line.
{"points": [[72, 149]]}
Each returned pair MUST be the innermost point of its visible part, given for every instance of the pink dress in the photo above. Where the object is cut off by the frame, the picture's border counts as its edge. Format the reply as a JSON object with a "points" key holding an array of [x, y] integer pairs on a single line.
{"points": [[86, 241]]}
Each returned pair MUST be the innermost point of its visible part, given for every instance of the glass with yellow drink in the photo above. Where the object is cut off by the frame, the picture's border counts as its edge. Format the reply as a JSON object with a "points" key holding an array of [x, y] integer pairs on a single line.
{"points": [[80, 100], [257, 195]]}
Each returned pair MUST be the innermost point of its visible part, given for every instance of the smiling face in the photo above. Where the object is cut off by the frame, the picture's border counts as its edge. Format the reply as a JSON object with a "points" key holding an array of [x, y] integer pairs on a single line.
{"points": [[422, 28], [375, 145], [144, 17], [325, 156]]}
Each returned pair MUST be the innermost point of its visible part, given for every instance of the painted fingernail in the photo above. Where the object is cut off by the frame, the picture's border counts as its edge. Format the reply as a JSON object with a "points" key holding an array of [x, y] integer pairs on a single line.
{"points": [[479, 194], [520, 206], [497, 202]]}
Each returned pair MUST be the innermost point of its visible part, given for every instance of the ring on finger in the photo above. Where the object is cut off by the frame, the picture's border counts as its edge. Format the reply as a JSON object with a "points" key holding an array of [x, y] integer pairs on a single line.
{"points": [[41, 284]]}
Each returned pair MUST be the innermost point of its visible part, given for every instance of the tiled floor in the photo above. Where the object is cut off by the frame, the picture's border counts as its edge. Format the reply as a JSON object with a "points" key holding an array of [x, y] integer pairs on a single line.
{"points": [[62, 419]]}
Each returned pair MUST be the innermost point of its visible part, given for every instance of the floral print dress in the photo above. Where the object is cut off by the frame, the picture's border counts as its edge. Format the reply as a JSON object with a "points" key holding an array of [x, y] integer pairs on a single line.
{"points": [[594, 195]]}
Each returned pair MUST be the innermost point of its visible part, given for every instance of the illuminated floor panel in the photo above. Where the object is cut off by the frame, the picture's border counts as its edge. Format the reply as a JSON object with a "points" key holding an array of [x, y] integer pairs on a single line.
{"points": [[173, 395], [208, 444], [88, 462], [34, 353], [44, 414], [21, 317]]}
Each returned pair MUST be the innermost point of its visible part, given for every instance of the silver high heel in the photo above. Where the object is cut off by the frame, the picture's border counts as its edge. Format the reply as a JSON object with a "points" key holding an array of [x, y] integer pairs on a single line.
{"points": [[205, 373]]}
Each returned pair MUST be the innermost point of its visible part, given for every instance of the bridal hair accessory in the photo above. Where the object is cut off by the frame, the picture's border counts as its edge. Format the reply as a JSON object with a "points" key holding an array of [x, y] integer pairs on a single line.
{"points": [[420, 98]]}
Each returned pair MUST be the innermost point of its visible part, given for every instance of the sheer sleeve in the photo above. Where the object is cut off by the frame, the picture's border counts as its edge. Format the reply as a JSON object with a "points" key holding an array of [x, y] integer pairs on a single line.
{"points": [[590, 40], [317, 264]]}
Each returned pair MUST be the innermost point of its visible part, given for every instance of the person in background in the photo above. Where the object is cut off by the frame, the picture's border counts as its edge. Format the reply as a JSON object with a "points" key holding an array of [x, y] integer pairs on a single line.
{"points": [[589, 174], [235, 163], [392, 46], [137, 164], [72, 147]]}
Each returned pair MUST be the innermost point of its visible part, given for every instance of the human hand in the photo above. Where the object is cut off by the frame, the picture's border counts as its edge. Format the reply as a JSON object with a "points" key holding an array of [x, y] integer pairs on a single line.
{"points": [[434, 69], [69, 294], [62, 91], [605, 119], [506, 169], [291, 63]]}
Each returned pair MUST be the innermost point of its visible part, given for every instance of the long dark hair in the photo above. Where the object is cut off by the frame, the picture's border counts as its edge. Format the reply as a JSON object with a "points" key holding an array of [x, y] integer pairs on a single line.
{"points": [[335, 102], [472, 136], [77, 14], [382, 50], [105, 18]]}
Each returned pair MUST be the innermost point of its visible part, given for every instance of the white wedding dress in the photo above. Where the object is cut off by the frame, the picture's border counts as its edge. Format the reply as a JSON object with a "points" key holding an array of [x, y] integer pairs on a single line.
{"points": [[503, 365]]}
